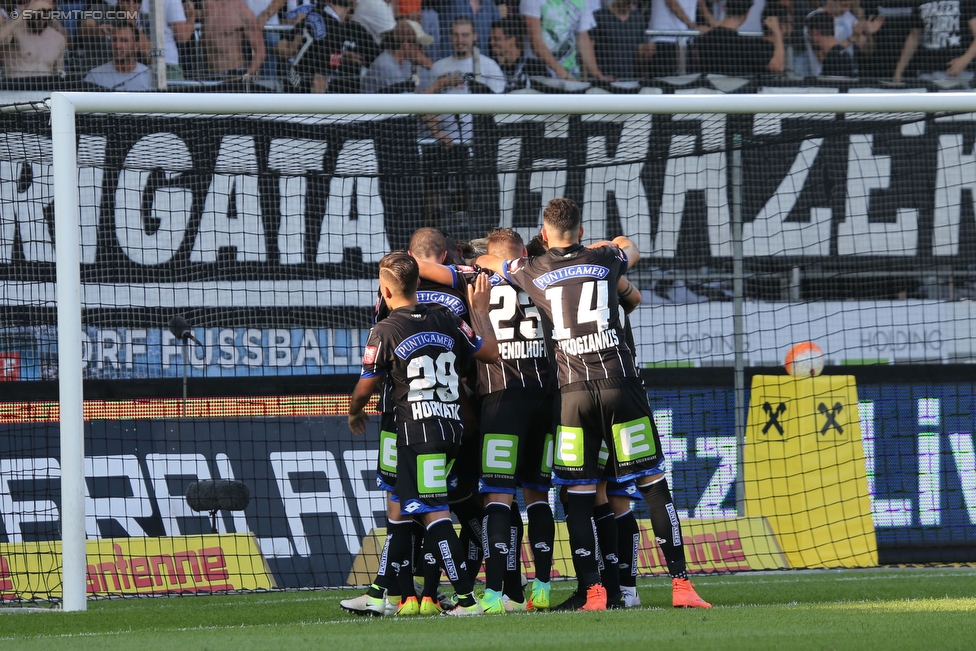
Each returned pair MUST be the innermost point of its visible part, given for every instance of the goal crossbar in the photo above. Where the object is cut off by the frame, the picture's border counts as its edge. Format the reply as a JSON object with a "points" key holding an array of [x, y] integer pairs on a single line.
{"points": [[226, 104], [65, 106]]}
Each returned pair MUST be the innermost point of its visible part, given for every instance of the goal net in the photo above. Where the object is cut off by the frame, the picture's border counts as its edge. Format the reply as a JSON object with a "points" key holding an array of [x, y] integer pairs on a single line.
{"points": [[233, 256]]}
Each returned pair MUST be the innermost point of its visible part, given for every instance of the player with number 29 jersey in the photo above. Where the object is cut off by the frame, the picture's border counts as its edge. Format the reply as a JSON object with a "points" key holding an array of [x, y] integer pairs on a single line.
{"points": [[425, 349]]}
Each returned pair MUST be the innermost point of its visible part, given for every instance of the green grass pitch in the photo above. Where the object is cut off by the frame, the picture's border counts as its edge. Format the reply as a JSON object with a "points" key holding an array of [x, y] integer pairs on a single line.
{"points": [[882, 609]]}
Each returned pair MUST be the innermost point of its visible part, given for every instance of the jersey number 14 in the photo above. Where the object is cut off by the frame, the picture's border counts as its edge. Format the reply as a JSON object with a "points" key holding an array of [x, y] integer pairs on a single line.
{"points": [[594, 307]]}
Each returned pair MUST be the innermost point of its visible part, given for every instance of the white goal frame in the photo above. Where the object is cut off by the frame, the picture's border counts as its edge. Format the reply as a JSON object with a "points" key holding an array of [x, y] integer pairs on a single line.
{"points": [[65, 106]]}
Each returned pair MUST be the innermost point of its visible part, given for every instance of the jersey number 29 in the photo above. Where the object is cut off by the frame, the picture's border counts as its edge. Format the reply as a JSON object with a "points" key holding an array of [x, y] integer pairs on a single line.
{"points": [[428, 376]]}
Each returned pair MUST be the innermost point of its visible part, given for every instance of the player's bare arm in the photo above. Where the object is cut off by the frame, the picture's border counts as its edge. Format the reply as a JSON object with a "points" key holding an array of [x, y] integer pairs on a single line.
{"points": [[629, 248], [629, 296], [491, 262], [478, 299], [365, 388], [437, 273]]}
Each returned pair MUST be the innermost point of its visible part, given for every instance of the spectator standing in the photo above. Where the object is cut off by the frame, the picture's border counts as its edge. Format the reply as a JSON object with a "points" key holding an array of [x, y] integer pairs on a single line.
{"points": [[178, 30], [507, 37], [724, 51], [835, 60], [94, 37], [482, 13], [618, 35], [267, 12], [848, 31], [898, 17], [559, 34], [673, 15], [448, 73], [32, 47], [460, 200], [404, 57], [327, 51], [229, 25], [944, 32], [123, 72]]}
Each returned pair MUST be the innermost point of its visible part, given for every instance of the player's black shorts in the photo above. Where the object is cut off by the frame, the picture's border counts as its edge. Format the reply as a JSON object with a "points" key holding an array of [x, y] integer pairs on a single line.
{"points": [[386, 461], [422, 476], [614, 411], [516, 430], [467, 467]]}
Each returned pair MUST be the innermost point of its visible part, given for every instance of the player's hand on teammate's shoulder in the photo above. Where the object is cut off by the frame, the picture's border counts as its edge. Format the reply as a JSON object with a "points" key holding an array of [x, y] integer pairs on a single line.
{"points": [[629, 248], [479, 293]]}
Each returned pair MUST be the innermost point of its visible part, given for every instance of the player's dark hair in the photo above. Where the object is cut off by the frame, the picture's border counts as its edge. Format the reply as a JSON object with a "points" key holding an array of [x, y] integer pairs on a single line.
{"points": [[536, 246], [562, 214], [428, 244], [400, 271], [504, 243]]}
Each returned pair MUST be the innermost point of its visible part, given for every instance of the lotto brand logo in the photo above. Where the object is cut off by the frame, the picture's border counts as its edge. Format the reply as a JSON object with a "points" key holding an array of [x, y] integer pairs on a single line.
{"points": [[432, 473], [411, 506], [388, 451], [634, 439], [499, 454], [369, 355], [569, 446]]}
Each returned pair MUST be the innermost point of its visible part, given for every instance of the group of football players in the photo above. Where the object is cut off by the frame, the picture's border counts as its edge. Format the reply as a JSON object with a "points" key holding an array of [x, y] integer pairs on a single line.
{"points": [[515, 370]]}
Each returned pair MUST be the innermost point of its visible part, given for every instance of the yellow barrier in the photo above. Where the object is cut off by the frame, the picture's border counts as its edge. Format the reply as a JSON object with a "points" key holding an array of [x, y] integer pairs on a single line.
{"points": [[725, 545], [207, 563], [804, 470]]}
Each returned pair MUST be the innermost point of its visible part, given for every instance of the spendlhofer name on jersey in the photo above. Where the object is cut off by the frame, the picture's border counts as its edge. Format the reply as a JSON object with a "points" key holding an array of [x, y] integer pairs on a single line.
{"points": [[434, 409], [521, 349], [590, 343]]}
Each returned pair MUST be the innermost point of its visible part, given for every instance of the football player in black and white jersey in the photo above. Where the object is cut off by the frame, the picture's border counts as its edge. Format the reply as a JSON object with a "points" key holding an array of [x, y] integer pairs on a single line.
{"points": [[613, 518], [431, 245], [516, 430], [424, 350], [601, 397]]}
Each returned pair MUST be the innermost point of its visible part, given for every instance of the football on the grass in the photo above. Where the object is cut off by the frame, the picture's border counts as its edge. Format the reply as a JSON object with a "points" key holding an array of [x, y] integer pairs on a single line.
{"points": [[805, 360]]}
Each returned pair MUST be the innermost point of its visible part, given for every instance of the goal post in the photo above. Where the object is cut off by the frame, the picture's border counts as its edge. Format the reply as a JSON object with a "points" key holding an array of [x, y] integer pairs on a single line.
{"points": [[70, 296]]}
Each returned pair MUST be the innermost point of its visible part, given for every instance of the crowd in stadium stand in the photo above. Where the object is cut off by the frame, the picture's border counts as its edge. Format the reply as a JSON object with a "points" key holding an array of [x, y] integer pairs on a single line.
{"points": [[477, 45]]}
